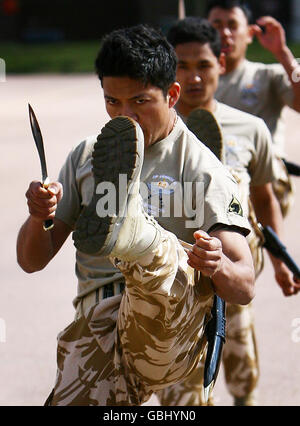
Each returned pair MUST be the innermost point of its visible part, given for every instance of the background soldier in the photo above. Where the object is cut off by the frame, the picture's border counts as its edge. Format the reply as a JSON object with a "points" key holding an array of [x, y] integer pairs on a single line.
{"points": [[249, 157], [260, 89]]}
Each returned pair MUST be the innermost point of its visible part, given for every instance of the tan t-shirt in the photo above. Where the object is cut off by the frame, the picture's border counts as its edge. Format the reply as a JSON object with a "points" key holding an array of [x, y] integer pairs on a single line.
{"points": [[184, 186], [262, 90], [249, 151]]}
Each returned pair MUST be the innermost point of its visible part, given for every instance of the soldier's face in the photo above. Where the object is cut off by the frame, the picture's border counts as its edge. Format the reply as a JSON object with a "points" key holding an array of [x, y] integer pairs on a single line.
{"points": [[234, 30], [198, 73], [146, 105]]}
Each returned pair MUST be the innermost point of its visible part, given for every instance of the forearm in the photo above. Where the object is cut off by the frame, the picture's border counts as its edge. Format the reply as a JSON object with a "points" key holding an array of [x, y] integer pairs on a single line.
{"points": [[292, 68], [274, 39], [234, 281], [34, 246], [268, 213], [224, 255]]}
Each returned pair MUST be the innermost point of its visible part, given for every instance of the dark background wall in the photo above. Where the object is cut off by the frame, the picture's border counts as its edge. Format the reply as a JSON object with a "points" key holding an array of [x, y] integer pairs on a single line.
{"points": [[55, 20]]}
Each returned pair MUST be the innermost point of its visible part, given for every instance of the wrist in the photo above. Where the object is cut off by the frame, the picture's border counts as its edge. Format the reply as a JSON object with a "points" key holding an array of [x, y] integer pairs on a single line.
{"points": [[223, 270], [277, 263], [283, 55], [36, 223]]}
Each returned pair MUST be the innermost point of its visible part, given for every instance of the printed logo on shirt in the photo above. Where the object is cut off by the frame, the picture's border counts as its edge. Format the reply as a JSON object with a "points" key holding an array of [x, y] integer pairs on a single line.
{"points": [[236, 147], [162, 183], [163, 196], [235, 207], [160, 187], [249, 95]]}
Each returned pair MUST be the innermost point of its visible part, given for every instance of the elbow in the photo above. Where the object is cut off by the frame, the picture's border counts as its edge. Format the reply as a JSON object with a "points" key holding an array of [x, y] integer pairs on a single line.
{"points": [[249, 289], [244, 298], [29, 269], [247, 297]]}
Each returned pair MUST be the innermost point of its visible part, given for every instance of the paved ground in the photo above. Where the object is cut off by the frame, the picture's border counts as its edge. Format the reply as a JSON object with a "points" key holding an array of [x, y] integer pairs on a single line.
{"points": [[33, 308]]}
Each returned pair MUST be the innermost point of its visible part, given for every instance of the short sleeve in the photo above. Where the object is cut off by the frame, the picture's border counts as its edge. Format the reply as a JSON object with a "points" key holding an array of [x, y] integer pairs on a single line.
{"points": [[222, 204], [281, 84], [69, 207], [263, 168]]}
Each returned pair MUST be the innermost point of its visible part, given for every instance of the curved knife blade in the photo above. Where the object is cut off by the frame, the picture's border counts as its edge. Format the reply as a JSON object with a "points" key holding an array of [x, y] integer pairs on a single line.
{"points": [[38, 139], [216, 334]]}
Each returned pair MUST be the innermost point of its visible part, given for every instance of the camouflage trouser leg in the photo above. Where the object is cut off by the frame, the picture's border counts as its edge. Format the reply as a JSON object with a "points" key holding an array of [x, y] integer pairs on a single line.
{"points": [[187, 393], [127, 346], [240, 363], [240, 358], [284, 189]]}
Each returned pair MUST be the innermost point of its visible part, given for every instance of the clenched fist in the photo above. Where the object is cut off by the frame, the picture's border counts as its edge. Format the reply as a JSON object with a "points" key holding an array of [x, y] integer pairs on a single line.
{"points": [[42, 202], [206, 255]]}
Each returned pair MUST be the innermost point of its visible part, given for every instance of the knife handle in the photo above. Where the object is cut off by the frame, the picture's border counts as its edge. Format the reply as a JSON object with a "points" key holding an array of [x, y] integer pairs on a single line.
{"points": [[48, 224]]}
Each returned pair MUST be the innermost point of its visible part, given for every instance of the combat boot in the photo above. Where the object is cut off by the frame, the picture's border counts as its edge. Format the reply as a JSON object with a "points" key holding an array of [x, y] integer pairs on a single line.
{"points": [[206, 128], [115, 223], [249, 400]]}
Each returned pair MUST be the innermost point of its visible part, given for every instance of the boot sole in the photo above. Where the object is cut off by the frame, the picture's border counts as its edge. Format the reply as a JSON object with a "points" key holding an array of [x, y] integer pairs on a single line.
{"points": [[206, 128], [118, 150]]}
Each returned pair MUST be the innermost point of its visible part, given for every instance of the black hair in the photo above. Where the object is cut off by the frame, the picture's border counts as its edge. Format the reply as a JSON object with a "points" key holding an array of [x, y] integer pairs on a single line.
{"points": [[140, 53], [195, 29], [229, 4]]}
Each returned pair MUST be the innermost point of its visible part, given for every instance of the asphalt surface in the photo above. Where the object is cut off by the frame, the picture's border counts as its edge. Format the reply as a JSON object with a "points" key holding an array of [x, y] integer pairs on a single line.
{"points": [[34, 308]]}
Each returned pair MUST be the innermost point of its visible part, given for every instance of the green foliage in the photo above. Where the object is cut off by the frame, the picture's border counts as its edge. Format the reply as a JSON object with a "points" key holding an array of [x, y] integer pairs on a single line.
{"points": [[79, 57], [73, 57], [257, 53]]}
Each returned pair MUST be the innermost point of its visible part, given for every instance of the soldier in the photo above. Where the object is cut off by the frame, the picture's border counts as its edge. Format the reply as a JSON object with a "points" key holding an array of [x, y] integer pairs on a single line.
{"points": [[260, 89], [249, 157], [142, 299]]}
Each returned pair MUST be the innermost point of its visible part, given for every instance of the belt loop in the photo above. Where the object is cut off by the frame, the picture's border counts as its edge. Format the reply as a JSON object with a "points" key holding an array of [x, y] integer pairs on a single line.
{"points": [[121, 287], [115, 288], [108, 290], [101, 293]]}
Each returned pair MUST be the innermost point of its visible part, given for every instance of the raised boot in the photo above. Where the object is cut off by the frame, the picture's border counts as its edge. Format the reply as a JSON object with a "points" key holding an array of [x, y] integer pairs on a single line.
{"points": [[206, 128], [115, 223]]}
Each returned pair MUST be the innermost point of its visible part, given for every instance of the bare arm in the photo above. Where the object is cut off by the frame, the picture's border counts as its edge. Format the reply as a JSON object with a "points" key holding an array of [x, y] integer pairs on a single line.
{"points": [[225, 256], [267, 210], [36, 247], [274, 40]]}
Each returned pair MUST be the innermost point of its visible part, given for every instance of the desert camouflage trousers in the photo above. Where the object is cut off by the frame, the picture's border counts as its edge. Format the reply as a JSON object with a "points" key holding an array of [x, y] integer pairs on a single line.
{"points": [[240, 363], [284, 189], [122, 349], [240, 358]]}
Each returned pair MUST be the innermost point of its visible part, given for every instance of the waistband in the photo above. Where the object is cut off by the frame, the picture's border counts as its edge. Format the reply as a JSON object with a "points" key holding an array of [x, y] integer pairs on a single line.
{"points": [[91, 299]]}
